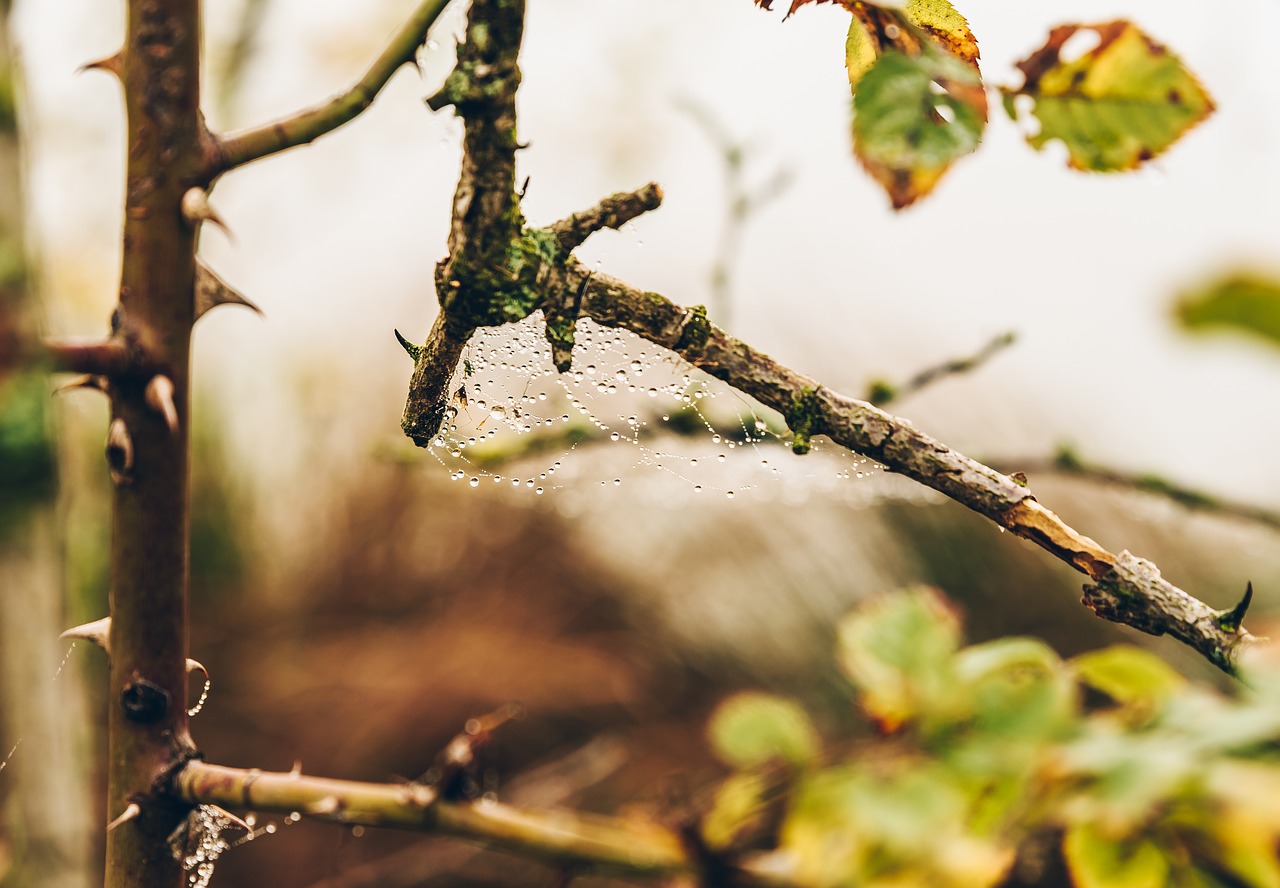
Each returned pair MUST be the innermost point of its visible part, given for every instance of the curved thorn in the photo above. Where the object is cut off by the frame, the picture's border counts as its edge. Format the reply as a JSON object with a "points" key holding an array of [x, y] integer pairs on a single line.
{"points": [[128, 814], [112, 64], [159, 395], [96, 632], [235, 821], [413, 350], [197, 666], [88, 381], [212, 291], [197, 209], [1232, 620]]}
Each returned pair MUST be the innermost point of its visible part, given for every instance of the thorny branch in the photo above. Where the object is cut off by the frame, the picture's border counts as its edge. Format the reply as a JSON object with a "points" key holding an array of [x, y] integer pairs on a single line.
{"points": [[306, 126], [524, 270]]}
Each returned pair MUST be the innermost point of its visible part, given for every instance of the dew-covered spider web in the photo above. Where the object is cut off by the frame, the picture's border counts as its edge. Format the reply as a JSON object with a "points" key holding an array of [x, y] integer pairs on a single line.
{"points": [[514, 420]]}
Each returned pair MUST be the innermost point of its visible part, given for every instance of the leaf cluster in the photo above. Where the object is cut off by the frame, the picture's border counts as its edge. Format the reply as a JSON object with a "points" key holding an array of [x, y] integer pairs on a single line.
{"points": [[920, 104], [1136, 776]]}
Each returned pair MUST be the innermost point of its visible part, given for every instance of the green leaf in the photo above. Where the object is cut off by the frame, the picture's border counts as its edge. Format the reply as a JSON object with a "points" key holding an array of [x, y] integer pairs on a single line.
{"points": [[914, 116], [1095, 862], [752, 729], [1129, 675], [897, 651], [1115, 107], [1017, 690], [738, 804], [1244, 302]]}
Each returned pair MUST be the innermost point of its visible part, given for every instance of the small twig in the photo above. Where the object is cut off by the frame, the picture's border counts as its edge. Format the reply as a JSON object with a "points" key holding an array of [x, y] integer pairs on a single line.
{"points": [[614, 211], [881, 393], [1067, 463], [306, 126], [102, 357]]}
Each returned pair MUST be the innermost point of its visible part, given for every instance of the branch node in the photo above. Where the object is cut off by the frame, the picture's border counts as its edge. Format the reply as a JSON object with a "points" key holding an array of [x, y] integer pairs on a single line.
{"points": [[120, 453]]}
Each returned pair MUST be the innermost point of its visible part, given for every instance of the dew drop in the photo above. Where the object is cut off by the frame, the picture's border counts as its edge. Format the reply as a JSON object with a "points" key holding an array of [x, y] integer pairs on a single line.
{"points": [[474, 482]]}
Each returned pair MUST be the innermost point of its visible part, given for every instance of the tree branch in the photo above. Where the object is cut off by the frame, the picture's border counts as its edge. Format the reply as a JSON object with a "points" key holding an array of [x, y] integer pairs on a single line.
{"points": [[614, 211], [605, 844], [882, 392], [306, 126], [1148, 602], [101, 357]]}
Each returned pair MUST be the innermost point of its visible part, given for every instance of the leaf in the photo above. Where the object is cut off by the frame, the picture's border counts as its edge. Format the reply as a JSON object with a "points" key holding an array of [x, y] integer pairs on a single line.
{"points": [[752, 729], [1129, 675], [897, 650], [922, 110], [876, 30], [1095, 862], [1118, 105], [1244, 301], [738, 804]]}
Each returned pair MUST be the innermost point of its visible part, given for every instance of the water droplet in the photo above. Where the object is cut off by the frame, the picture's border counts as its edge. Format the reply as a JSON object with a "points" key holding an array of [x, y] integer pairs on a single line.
{"points": [[614, 437], [697, 488], [538, 491], [617, 482], [474, 482], [728, 494]]}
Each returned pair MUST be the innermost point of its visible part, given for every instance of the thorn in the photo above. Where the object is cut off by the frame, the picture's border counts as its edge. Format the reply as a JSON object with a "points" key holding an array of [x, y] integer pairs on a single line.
{"points": [[235, 821], [111, 64], [197, 209], [1232, 620], [159, 396], [197, 666], [119, 452], [413, 350], [96, 632], [88, 381], [212, 291], [296, 771], [129, 814]]}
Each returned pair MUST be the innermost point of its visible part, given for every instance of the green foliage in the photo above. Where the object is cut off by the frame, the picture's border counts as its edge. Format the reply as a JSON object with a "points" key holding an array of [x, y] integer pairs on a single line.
{"points": [[913, 116], [985, 749], [920, 103], [27, 465], [1244, 302], [1118, 105]]}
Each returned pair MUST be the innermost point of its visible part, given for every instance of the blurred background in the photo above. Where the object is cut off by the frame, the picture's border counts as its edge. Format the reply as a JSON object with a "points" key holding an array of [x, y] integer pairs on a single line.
{"points": [[356, 599]]}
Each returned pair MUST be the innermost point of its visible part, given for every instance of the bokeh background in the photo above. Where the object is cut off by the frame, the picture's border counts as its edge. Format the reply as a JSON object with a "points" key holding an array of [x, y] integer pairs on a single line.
{"points": [[356, 599]]}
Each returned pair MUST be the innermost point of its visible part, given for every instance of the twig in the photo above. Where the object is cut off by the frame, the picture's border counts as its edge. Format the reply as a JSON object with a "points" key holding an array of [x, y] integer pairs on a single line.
{"points": [[614, 211], [881, 393], [604, 844], [1067, 463], [103, 357], [306, 126], [741, 203]]}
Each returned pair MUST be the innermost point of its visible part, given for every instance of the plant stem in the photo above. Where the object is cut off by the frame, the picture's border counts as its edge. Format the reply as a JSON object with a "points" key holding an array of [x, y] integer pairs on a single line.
{"points": [[149, 535]]}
